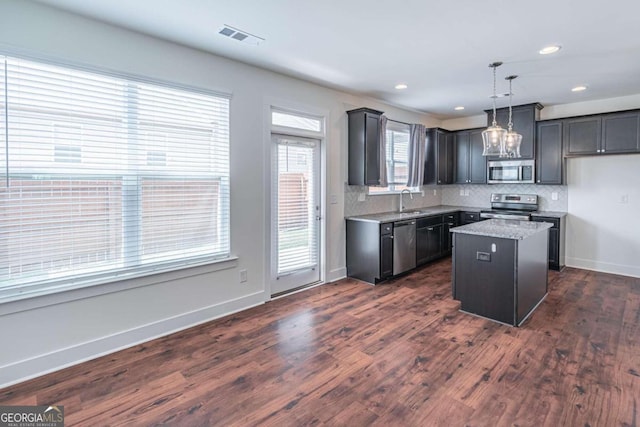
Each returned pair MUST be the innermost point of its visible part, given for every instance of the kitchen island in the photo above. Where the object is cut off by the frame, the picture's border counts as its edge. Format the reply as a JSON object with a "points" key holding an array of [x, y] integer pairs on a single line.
{"points": [[500, 268]]}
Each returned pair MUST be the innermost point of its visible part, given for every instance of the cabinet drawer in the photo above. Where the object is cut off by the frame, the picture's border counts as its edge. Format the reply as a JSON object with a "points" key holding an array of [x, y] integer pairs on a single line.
{"points": [[429, 221], [554, 221], [450, 218], [386, 229], [470, 216]]}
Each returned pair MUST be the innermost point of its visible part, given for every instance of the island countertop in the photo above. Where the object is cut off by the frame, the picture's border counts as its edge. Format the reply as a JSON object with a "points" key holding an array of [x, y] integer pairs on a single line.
{"points": [[503, 228]]}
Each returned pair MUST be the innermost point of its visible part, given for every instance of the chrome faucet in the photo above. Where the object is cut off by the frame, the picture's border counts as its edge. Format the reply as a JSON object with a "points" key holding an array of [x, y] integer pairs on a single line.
{"points": [[402, 204]]}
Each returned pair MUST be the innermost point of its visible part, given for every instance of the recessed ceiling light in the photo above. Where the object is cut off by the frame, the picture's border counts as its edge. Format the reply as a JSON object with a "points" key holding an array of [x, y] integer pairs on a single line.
{"points": [[401, 86], [459, 108], [547, 50], [579, 88]]}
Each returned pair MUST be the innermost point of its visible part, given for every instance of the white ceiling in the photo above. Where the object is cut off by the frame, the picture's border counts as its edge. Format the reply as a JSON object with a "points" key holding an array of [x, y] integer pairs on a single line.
{"points": [[440, 49]]}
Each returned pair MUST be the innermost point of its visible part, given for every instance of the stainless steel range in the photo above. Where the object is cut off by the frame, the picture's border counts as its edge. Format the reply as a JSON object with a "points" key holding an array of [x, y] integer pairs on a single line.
{"points": [[511, 206]]}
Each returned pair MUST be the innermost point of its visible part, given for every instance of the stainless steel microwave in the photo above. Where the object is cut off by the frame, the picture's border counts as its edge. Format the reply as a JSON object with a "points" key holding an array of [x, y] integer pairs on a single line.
{"points": [[511, 172]]}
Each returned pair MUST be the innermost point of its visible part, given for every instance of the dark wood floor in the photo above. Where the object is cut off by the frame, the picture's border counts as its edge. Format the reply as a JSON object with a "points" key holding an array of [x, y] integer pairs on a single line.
{"points": [[356, 355]]}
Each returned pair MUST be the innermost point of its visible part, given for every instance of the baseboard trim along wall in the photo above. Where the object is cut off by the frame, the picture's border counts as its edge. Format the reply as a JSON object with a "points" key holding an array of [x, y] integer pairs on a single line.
{"points": [[603, 267], [60, 359], [337, 274]]}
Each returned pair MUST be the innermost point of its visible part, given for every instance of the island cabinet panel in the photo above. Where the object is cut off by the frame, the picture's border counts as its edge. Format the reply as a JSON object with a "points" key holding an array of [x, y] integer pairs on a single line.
{"points": [[500, 269], [484, 279]]}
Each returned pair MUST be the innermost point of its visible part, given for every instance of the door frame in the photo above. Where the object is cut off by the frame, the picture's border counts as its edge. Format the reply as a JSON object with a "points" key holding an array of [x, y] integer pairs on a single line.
{"points": [[268, 148]]}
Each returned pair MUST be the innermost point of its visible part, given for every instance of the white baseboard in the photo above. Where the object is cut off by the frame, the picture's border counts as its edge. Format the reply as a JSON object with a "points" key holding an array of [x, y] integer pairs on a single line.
{"points": [[603, 267], [337, 274], [43, 364]]}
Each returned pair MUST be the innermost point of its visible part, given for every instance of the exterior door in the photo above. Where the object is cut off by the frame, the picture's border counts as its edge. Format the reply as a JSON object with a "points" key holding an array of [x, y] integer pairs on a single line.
{"points": [[296, 213]]}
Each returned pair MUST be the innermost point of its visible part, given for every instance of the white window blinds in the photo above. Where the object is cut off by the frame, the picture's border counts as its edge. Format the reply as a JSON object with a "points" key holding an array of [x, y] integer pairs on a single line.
{"points": [[297, 204], [104, 176]]}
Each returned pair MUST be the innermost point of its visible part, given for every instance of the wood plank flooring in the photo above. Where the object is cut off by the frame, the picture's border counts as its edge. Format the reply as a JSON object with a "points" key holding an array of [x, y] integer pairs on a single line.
{"points": [[398, 354]]}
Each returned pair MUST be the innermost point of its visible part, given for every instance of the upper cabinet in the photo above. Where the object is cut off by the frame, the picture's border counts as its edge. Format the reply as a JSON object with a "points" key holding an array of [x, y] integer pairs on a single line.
{"points": [[549, 160], [524, 122], [470, 164], [439, 157], [582, 135], [364, 146], [621, 132], [610, 133]]}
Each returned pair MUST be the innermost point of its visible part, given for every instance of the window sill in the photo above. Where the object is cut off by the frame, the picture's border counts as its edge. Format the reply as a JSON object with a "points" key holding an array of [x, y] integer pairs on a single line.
{"points": [[103, 286], [388, 193]]}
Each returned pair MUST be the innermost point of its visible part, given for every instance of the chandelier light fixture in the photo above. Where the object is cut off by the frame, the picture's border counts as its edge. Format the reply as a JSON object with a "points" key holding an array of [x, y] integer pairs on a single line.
{"points": [[512, 139], [493, 137]]}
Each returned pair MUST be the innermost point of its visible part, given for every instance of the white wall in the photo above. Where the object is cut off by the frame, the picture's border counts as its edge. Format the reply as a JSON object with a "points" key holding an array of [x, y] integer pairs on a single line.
{"points": [[603, 232], [48, 333]]}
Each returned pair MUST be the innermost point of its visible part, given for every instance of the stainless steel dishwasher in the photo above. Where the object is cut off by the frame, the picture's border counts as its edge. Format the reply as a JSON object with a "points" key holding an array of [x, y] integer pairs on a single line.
{"points": [[404, 246]]}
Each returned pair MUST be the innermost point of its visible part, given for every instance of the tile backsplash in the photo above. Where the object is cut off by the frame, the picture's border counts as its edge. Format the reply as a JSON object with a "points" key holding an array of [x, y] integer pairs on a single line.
{"points": [[480, 195], [358, 202], [388, 202]]}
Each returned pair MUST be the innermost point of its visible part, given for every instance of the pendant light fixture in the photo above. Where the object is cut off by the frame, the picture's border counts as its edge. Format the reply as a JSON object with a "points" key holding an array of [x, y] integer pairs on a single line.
{"points": [[493, 136], [512, 139]]}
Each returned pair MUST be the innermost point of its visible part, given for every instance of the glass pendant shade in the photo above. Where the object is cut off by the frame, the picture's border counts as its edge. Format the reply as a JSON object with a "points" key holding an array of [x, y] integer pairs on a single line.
{"points": [[512, 139], [493, 136], [493, 141], [512, 142]]}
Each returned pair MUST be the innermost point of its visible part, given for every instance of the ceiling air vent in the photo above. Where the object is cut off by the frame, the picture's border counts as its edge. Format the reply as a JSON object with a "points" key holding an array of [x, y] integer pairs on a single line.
{"points": [[243, 36]]}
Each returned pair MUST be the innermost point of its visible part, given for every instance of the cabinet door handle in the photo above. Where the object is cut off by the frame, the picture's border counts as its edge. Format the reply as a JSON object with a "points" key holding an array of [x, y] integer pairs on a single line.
{"points": [[602, 151], [597, 151], [430, 229]]}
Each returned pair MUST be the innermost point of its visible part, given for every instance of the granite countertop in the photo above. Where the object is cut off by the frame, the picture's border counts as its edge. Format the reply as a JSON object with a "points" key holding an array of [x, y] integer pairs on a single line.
{"points": [[413, 213], [503, 228], [550, 214]]}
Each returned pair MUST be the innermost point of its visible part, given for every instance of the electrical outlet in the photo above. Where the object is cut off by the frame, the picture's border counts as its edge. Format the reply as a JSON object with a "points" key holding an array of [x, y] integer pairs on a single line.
{"points": [[333, 199], [362, 197], [462, 192], [466, 193], [554, 195], [624, 198], [435, 192], [243, 276]]}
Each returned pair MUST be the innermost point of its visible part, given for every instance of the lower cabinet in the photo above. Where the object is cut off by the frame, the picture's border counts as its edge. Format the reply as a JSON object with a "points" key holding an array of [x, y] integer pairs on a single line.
{"points": [[467, 217], [428, 239], [369, 250], [433, 239], [556, 240]]}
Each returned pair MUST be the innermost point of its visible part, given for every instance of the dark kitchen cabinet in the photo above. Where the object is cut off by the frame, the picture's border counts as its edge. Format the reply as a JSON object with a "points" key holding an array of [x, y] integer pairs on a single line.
{"points": [[549, 159], [582, 135], [524, 122], [612, 133], [448, 222], [439, 157], [369, 250], [470, 164], [386, 251], [467, 217], [621, 132], [556, 240], [428, 239], [364, 146]]}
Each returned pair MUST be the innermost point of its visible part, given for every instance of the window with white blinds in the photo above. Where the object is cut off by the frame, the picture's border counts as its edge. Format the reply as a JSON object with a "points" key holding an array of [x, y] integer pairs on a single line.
{"points": [[104, 176]]}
